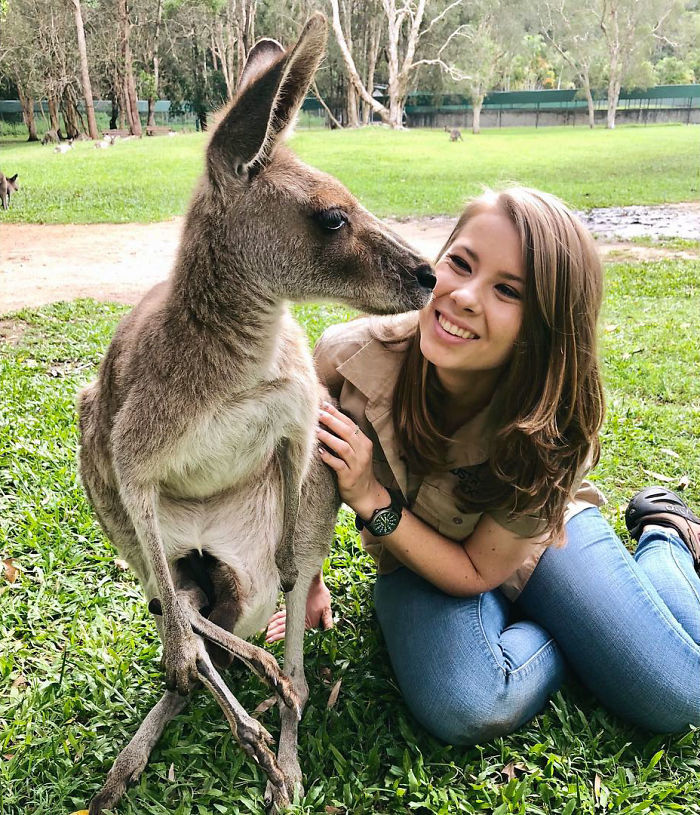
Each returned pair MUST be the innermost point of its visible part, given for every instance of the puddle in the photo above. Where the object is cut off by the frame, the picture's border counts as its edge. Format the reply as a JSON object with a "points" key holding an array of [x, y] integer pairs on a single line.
{"points": [[664, 221]]}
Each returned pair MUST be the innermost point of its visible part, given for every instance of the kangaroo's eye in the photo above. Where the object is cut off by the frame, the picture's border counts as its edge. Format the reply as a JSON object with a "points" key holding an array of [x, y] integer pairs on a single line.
{"points": [[331, 219]]}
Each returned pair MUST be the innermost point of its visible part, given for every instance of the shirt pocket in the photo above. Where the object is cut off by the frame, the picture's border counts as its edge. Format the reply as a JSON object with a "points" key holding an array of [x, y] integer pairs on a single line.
{"points": [[436, 506]]}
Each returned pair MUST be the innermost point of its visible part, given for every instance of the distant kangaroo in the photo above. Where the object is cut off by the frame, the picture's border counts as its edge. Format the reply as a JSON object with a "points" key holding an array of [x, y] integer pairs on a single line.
{"points": [[455, 133], [7, 186], [197, 439]]}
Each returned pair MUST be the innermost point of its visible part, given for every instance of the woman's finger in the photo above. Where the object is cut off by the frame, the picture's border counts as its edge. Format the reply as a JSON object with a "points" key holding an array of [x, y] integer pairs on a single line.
{"points": [[340, 424], [336, 444], [332, 461]]}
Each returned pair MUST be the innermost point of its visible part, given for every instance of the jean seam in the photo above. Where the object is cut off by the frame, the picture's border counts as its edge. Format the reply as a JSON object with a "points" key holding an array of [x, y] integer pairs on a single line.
{"points": [[672, 552], [549, 644], [499, 666]]}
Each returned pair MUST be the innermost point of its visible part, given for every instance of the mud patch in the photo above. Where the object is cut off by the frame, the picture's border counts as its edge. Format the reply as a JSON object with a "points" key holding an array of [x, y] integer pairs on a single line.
{"points": [[667, 221]]}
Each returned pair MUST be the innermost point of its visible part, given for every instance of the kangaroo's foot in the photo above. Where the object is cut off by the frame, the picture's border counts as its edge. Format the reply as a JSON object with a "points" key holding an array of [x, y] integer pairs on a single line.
{"points": [[180, 652], [249, 733], [262, 663], [133, 758]]}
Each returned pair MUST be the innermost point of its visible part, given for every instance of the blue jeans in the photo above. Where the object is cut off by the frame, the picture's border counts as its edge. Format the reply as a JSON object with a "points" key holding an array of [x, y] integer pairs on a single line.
{"points": [[629, 629]]}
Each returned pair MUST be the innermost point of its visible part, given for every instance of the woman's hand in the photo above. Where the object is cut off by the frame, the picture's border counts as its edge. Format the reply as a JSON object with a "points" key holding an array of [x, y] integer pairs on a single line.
{"points": [[350, 457], [318, 612]]}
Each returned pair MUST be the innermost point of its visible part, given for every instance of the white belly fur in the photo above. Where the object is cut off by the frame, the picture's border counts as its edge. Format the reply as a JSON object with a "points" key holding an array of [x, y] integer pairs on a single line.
{"points": [[242, 529]]}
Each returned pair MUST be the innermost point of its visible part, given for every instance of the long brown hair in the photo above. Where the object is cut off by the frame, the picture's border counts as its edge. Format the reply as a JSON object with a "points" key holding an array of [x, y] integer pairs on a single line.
{"points": [[550, 402]]}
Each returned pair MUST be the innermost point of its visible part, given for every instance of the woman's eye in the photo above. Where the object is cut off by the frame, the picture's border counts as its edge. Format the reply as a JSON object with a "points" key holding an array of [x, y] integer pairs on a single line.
{"points": [[509, 291], [460, 263], [331, 219]]}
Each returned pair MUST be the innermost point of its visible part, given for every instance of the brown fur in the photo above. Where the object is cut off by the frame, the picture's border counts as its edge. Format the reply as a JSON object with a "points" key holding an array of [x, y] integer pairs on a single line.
{"points": [[7, 186], [197, 438]]}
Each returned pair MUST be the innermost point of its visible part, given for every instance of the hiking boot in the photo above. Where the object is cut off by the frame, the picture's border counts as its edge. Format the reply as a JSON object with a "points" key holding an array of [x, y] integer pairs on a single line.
{"points": [[657, 505]]}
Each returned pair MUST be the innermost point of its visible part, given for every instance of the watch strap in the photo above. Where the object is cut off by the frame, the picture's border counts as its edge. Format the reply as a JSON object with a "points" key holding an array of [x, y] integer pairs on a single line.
{"points": [[397, 504]]}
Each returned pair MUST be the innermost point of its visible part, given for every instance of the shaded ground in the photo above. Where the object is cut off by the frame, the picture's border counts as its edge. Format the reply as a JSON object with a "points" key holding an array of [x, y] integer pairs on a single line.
{"points": [[41, 264]]}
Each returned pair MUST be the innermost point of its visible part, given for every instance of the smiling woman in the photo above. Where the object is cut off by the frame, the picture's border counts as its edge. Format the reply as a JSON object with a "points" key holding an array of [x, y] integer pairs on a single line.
{"points": [[462, 440]]}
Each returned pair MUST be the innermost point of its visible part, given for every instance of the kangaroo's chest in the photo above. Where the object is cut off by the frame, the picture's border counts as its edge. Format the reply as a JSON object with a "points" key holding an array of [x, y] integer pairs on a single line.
{"points": [[235, 441]]}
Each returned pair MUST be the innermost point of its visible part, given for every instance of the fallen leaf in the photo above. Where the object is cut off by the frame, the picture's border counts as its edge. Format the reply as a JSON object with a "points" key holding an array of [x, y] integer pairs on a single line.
{"points": [[669, 452], [683, 482], [610, 328], [335, 810], [333, 696], [596, 786], [171, 773], [326, 674], [265, 706], [8, 756], [658, 477], [80, 812], [512, 770], [10, 569], [121, 564], [20, 682]]}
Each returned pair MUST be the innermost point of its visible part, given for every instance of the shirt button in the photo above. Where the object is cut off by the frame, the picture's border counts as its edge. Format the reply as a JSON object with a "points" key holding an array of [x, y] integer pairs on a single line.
{"points": [[456, 520]]}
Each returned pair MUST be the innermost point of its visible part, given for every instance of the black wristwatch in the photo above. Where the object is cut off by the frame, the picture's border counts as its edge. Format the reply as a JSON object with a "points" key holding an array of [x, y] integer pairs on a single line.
{"points": [[384, 520]]}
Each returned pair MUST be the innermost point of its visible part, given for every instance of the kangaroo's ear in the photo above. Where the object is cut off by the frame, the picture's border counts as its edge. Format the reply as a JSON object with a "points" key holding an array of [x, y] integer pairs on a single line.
{"points": [[273, 87], [13, 179]]}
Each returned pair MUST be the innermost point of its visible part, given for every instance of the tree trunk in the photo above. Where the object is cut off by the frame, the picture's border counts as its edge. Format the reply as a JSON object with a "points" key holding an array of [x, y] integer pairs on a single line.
{"points": [[477, 103], [129, 83], [155, 61], [28, 113], [115, 112], [353, 119], [373, 52], [84, 71], [591, 105], [70, 115], [613, 97], [53, 112], [352, 73]]}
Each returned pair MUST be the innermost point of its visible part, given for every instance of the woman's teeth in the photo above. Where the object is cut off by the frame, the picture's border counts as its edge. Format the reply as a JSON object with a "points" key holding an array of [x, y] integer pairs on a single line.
{"points": [[454, 330]]}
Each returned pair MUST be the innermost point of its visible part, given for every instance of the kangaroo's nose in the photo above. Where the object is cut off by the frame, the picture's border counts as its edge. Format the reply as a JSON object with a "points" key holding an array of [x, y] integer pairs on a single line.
{"points": [[426, 277]]}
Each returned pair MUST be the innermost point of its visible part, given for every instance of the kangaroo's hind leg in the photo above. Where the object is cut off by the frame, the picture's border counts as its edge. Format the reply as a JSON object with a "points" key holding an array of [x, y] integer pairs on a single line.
{"points": [[132, 760]]}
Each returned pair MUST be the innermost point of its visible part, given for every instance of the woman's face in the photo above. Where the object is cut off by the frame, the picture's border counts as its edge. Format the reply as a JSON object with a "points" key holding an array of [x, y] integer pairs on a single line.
{"points": [[474, 318]]}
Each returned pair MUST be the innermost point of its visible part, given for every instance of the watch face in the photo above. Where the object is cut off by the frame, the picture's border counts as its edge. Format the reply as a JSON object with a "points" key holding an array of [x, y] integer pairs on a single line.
{"points": [[385, 522]]}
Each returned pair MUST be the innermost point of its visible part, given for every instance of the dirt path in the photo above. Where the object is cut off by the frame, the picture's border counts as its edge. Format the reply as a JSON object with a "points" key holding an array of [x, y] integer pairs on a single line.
{"points": [[42, 264]]}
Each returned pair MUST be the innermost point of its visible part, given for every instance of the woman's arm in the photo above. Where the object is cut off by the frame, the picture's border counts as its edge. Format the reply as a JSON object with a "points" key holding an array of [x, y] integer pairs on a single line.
{"points": [[478, 564]]}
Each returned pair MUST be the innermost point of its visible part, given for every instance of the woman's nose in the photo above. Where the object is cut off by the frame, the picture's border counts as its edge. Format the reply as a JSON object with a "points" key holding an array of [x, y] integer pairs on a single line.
{"points": [[467, 296]]}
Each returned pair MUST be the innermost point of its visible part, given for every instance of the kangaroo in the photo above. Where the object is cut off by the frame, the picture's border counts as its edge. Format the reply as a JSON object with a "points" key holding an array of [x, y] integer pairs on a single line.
{"points": [[455, 133], [198, 448], [7, 186]]}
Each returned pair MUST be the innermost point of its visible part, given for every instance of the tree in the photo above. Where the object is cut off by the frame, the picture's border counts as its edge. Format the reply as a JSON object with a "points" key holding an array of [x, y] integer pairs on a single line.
{"points": [[84, 70], [568, 26], [489, 35], [404, 28], [128, 95], [629, 28]]}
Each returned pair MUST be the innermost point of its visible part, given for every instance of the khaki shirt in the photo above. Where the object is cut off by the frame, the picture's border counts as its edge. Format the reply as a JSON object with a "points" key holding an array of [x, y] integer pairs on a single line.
{"points": [[359, 363]]}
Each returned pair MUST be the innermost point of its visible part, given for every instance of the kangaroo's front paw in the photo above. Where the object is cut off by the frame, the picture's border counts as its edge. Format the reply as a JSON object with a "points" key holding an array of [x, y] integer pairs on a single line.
{"points": [[180, 653]]}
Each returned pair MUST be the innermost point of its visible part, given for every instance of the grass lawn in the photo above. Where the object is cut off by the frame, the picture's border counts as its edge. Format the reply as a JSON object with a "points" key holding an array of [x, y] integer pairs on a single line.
{"points": [[79, 653], [409, 173]]}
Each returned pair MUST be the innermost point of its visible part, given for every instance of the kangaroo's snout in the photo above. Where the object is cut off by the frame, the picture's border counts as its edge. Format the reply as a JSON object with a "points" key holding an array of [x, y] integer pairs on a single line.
{"points": [[425, 277]]}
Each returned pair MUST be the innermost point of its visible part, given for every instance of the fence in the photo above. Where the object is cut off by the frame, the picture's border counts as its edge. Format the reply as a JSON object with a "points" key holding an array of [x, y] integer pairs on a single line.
{"points": [[663, 103]]}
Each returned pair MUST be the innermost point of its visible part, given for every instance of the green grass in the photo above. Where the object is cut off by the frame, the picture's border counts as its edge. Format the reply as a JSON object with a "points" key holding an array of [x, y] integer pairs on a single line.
{"points": [[409, 173], [79, 653]]}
